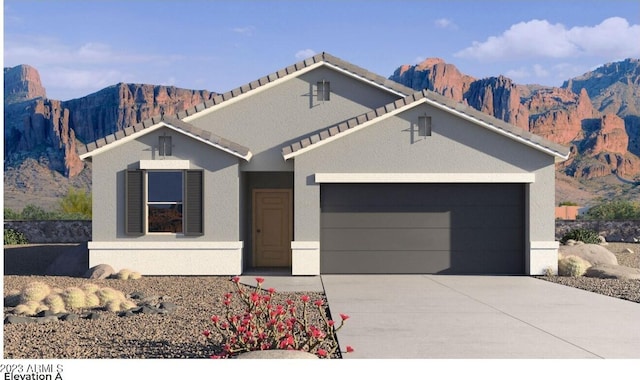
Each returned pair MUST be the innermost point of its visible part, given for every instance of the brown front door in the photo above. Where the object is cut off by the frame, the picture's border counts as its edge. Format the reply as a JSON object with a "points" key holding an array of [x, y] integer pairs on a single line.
{"points": [[272, 227]]}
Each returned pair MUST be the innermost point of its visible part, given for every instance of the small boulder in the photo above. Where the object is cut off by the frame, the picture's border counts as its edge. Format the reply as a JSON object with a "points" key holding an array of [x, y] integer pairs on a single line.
{"points": [[613, 271], [602, 240], [47, 319], [92, 316], [68, 317], [594, 254], [100, 272], [16, 320], [168, 306], [570, 242]]}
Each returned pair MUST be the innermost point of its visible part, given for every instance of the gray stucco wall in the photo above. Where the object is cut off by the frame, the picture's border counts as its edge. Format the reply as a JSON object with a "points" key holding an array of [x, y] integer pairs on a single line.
{"points": [[221, 187], [456, 146], [272, 118]]}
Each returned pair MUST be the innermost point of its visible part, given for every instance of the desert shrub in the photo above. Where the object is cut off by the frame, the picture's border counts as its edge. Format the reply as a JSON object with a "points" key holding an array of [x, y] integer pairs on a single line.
{"points": [[614, 210], [567, 203], [74, 298], [89, 288], [91, 300], [27, 308], [13, 237], [572, 266], [35, 291], [584, 235], [9, 214], [55, 303], [105, 295], [77, 203], [33, 212], [128, 274]]}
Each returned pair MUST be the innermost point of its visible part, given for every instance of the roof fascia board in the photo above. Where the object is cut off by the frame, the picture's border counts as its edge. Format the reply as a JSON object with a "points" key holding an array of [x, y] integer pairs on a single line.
{"points": [[155, 127]]}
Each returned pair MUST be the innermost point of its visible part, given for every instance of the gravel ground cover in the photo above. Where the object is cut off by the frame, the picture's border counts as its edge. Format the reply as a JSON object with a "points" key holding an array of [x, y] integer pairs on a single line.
{"points": [[624, 289], [179, 334], [174, 335]]}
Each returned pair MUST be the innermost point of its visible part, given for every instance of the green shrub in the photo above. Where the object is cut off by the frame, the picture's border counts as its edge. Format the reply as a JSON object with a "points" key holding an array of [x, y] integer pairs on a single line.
{"points": [[614, 210], [13, 237], [584, 235], [76, 203], [74, 298], [9, 214], [33, 212], [567, 203]]}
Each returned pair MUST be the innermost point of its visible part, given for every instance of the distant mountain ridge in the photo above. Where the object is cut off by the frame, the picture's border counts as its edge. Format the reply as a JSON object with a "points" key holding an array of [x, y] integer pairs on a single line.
{"points": [[596, 114]]}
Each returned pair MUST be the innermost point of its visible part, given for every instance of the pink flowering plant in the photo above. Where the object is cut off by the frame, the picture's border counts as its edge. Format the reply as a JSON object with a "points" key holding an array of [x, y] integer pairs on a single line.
{"points": [[263, 324]]}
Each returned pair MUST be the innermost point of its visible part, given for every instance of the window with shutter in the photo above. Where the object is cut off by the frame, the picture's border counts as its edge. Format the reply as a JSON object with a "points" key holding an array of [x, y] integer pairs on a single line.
{"points": [[171, 202], [323, 91]]}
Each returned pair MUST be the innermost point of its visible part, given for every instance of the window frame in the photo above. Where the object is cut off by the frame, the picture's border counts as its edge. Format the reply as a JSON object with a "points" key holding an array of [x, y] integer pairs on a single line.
{"points": [[147, 203], [323, 91]]}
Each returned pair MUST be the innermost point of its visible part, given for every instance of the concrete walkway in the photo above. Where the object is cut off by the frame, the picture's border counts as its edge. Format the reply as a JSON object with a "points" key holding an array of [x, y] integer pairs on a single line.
{"points": [[468, 317]]}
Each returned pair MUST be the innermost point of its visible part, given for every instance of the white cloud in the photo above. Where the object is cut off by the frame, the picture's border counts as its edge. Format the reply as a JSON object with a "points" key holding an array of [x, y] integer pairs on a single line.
{"points": [[79, 79], [612, 39], [445, 23], [304, 54], [244, 30]]}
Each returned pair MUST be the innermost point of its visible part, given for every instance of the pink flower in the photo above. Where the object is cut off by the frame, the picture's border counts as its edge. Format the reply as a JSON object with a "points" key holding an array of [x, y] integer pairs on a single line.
{"points": [[322, 353], [215, 319], [289, 302], [227, 302], [235, 279], [255, 297], [330, 322], [259, 280], [318, 303], [271, 290], [350, 349], [206, 333], [344, 317], [305, 298], [216, 357]]}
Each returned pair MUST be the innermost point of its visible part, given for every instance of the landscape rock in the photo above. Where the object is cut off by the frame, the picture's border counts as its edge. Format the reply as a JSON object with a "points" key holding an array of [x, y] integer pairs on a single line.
{"points": [[602, 240], [100, 272], [45, 313], [47, 319], [68, 317], [92, 316], [16, 319], [594, 254], [613, 271], [168, 306], [12, 300]]}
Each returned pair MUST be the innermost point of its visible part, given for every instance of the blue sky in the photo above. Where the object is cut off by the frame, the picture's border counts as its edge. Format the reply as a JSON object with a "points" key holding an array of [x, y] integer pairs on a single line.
{"points": [[80, 47]]}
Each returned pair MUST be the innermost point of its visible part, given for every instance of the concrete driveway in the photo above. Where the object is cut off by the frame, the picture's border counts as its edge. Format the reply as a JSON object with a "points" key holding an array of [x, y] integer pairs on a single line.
{"points": [[467, 317]]}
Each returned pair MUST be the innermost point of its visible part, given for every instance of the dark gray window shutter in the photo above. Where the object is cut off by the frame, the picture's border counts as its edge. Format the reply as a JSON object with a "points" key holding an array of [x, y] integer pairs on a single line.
{"points": [[134, 203], [194, 203]]}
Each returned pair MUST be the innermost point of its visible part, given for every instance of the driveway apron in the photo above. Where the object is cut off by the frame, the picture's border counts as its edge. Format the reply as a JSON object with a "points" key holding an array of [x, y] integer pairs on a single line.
{"points": [[479, 317]]}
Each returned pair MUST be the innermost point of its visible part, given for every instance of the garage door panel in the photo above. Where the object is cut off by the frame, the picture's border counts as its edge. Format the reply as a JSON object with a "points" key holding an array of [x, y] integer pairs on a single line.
{"points": [[375, 239], [407, 262], [384, 220]]}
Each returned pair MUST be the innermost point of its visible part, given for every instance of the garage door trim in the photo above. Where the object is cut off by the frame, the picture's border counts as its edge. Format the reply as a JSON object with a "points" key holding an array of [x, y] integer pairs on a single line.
{"points": [[425, 177]]}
